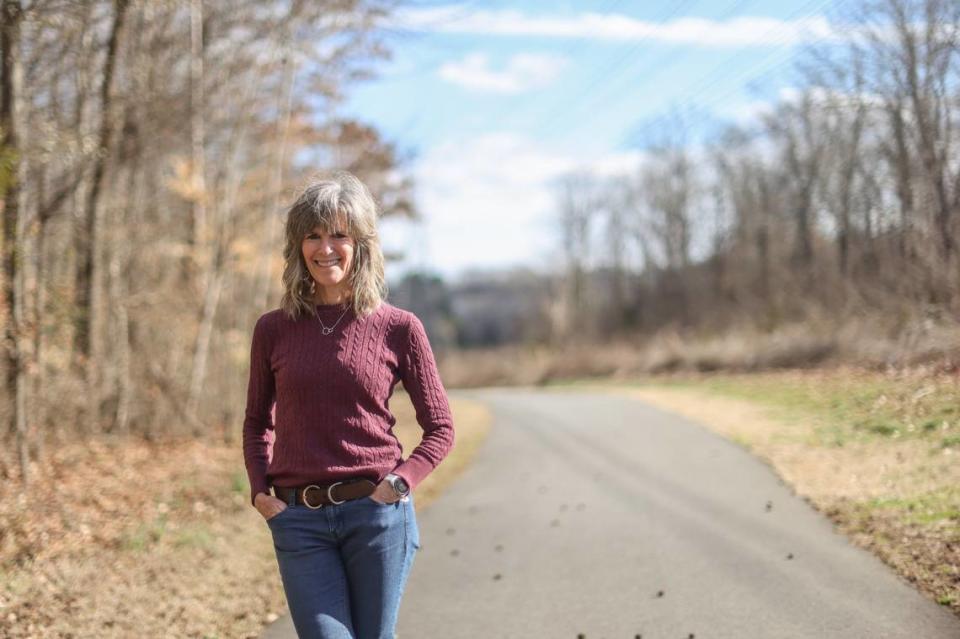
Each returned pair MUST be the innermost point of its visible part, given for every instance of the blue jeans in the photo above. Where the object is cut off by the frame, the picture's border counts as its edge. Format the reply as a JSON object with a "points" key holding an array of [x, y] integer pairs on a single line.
{"points": [[344, 566]]}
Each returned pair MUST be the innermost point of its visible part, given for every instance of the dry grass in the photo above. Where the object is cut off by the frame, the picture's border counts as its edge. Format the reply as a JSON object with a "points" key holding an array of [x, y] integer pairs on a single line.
{"points": [[873, 343], [127, 539], [473, 421]]}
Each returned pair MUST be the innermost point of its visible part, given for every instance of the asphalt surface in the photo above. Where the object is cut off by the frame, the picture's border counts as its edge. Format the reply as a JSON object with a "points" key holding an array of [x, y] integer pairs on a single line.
{"points": [[594, 515]]}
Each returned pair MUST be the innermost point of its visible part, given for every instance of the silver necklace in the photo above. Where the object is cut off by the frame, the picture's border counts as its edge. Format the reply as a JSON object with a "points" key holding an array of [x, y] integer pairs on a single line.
{"points": [[327, 330]]}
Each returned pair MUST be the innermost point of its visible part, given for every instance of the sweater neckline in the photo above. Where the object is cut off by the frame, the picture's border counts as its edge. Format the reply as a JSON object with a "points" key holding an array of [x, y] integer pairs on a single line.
{"points": [[331, 308], [329, 312]]}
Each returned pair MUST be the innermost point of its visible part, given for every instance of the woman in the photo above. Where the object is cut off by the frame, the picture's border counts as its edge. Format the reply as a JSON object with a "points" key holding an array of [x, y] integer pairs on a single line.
{"points": [[318, 428]]}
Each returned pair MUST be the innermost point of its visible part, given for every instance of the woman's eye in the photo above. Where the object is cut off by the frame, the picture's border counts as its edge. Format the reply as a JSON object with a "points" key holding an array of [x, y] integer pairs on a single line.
{"points": [[314, 236]]}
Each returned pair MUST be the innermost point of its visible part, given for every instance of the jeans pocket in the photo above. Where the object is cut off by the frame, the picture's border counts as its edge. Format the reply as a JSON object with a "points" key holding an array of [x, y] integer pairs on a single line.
{"points": [[279, 514]]}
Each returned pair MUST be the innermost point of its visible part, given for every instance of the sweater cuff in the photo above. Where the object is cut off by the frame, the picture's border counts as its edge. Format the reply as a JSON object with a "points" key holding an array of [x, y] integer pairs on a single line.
{"points": [[413, 472]]}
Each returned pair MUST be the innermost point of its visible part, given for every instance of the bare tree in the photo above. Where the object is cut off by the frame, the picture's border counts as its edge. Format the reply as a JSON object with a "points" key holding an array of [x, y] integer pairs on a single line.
{"points": [[198, 180], [616, 203], [914, 46], [10, 182], [843, 196], [576, 205], [667, 183], [88, 235], [794, 129], [669, 189]]}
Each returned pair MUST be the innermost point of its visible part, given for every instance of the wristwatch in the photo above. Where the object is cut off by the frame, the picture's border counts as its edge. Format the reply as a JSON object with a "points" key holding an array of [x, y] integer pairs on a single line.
{"points": [[399, 485]]}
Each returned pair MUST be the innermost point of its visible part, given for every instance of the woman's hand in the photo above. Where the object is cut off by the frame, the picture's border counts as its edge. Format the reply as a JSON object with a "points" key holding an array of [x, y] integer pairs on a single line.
{"points": [[268, 505], [384, 493]]}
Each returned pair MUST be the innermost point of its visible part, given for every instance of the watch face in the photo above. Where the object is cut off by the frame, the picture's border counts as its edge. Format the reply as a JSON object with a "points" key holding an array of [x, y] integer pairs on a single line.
{"points": [[401, 485]]}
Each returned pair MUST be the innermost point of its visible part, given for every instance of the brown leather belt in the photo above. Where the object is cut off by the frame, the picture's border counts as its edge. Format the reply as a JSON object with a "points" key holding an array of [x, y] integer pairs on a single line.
{"points": [[317, 496]]}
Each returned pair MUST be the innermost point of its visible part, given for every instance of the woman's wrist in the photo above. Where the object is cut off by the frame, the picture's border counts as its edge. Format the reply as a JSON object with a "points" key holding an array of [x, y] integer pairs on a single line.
{"points": [[399, 485]]}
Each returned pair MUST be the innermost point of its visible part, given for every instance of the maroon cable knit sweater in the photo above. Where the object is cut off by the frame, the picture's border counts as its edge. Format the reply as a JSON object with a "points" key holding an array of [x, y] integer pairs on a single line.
{"points": [[318, 405]]}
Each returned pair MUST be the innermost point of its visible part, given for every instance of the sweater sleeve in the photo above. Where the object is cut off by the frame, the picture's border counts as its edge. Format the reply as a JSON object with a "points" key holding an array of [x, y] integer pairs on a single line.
{"points": [[257, 423], [418, 372]]}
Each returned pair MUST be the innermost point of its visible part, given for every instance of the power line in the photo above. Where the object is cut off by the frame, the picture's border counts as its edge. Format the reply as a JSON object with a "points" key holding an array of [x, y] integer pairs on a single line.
{"points": [[509, 102], [711, 78], [734, 86], [512, 115], [601, 75], [657, 66]]}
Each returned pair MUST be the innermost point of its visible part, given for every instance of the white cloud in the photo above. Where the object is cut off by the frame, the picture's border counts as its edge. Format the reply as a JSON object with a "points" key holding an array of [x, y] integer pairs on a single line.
{"points": [[742, 31], [489, 201], [523, 72]]}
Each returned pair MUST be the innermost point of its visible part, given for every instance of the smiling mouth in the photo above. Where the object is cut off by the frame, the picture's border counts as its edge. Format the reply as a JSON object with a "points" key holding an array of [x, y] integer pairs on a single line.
{"points": [[326, 264]]}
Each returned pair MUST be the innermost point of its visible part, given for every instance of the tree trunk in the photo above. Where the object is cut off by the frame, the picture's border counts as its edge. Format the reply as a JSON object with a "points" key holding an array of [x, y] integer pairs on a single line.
{"points": [[198, 202], [119, 266], [847, 173], [39, 304], [900, 158], [270, 221], [87, 239], [762, 238], [10, 79], [930, 137]]}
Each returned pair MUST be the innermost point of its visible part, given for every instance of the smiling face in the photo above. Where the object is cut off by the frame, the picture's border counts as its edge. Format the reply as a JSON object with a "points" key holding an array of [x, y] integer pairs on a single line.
{"points": [[329, 256], [331, 250]]}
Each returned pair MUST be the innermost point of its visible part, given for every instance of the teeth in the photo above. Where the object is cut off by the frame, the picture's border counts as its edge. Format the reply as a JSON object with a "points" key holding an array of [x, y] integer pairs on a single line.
{"points": [[331, 263]]}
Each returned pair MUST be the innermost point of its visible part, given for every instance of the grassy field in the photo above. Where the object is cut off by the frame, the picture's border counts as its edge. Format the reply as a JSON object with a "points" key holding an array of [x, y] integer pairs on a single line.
{"points": [[879, 454], [126, 539]]}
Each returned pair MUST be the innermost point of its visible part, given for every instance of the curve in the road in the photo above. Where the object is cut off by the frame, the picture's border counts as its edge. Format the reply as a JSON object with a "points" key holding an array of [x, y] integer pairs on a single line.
{"points": [[598, 515]]}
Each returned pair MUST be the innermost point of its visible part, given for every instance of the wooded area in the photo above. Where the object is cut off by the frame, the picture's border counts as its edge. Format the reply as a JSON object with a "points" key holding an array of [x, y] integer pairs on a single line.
{"points": [[844, 199], [149, 147]]}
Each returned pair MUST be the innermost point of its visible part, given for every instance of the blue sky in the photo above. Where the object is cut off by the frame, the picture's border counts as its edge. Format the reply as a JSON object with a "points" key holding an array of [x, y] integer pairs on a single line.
{"points": [[497, 99]]}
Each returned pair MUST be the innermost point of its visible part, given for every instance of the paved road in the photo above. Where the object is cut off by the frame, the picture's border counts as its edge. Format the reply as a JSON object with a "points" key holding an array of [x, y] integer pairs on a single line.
{"points": [[597, 515], [581, 509]]}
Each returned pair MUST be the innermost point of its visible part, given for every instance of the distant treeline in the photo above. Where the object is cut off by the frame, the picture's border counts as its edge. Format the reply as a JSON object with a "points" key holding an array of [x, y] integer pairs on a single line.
{"points": [[843, 198], [840, 201]]}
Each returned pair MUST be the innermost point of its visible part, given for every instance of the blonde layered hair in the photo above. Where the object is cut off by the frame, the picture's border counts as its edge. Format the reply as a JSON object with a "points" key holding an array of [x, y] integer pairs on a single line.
{"points": [[338, 202]]}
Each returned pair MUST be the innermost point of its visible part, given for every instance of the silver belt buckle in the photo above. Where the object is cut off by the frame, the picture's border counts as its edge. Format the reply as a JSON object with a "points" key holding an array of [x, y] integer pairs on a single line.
{"points": [[330, 493], [307, 503]]}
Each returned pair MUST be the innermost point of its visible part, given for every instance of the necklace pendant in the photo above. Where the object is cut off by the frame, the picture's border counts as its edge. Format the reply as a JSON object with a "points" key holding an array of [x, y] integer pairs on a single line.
{"points": [[327, 331]]}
